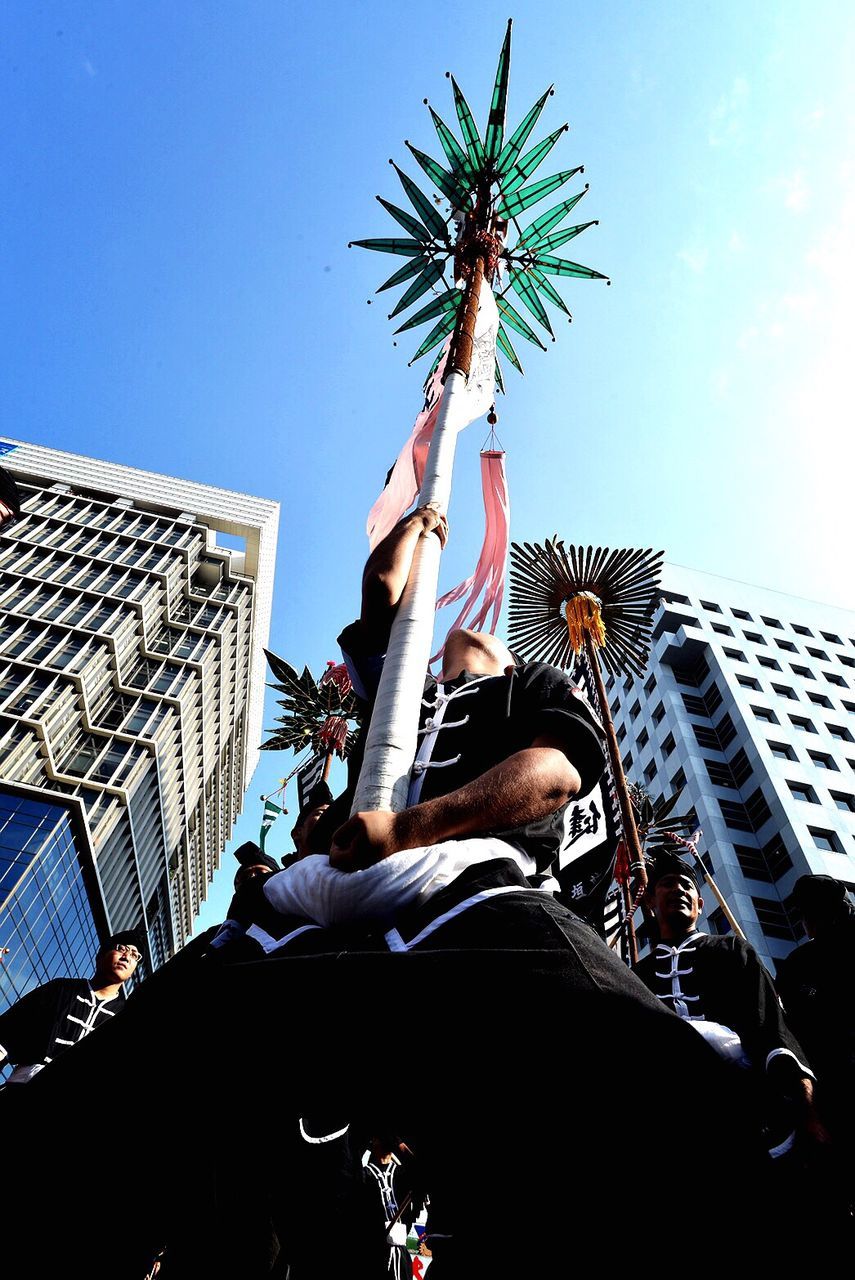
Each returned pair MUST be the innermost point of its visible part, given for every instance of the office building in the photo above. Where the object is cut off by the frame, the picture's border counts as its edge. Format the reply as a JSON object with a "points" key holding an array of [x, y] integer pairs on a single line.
{"points": [[748, 704], [134, 609]]}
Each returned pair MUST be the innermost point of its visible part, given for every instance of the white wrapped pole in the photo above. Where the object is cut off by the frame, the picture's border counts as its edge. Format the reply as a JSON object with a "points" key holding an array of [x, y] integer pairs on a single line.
{"points": [[393, 735]]}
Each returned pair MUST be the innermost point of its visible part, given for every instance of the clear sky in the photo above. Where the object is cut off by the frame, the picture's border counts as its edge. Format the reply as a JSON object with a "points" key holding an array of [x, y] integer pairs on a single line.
{"points": [[181, 184]]}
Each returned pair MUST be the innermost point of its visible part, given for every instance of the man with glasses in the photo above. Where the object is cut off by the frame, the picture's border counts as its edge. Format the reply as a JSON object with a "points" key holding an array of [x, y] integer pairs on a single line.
{"points": [[62, 1012]]}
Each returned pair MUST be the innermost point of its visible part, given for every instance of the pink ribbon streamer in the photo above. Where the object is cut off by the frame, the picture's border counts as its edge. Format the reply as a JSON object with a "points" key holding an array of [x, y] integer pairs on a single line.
{"points": [[409, 469], [488, 580]]}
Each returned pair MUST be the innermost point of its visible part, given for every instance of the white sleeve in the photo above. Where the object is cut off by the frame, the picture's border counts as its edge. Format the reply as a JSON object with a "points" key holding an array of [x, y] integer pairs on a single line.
{"points": [[314, 890]]}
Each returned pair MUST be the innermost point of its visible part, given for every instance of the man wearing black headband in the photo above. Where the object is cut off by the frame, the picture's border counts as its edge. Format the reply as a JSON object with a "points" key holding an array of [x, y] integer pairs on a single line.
{"points": [[719, 985], [62, 1012]]}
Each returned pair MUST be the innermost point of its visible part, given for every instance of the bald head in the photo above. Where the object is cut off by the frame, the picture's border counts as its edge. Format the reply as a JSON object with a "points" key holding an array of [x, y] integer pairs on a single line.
{"points": [[477, 652]]}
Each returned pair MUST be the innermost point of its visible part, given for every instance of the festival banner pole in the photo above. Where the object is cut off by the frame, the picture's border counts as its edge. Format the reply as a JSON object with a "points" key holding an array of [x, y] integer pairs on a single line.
{"points": [[484, 186]]}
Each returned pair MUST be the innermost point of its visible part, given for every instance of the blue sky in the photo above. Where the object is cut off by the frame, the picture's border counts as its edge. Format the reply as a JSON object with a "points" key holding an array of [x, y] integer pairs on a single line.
{"points": [[182, 182]]}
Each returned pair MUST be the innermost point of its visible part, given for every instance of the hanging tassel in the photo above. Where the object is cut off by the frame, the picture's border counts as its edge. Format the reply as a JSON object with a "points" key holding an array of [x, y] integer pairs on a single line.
{"points": [[487, 583], [583, 615]]}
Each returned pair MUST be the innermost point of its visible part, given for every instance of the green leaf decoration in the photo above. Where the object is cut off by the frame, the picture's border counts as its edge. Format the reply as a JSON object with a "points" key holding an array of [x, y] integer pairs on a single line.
{"points": [[512, 205], [404, 248], [516, 321], [500, 380], [526, 290], [530, 161], [560, 267], [534, 233], [410, 269], [432, 370], [437, 333], [519, 137], [546, 244], [495, 134], [421, 284], [548, 290], [454, 153], [468, 128], [407, 221], [449, 301], [444, 181], [503, 342], [425, 208]]}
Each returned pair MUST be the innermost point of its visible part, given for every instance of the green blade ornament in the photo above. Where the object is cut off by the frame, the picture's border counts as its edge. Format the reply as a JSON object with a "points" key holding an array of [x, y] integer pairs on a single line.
{"points": [[530, 161], [504, 344], [495, 134], [516, 321], [512, 205], [549, 292], [421, 284], [440, 330], [444, 181], [519, 137], [526, 290], [427, 211], [454, 154], [544, 224], [468, 128], [449, 301], [556, 239], [412, 268], [404, 248], [500, 381], [560, 267], [407, 221]]}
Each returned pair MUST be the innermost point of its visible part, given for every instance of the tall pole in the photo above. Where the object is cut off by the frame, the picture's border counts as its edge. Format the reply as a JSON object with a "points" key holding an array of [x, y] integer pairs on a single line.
{"points": [[393, 734], [630, 831]]}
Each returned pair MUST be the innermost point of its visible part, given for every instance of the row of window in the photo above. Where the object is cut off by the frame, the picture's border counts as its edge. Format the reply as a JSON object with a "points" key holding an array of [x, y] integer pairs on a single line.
{"points": [[768, 716], [743, 615]]}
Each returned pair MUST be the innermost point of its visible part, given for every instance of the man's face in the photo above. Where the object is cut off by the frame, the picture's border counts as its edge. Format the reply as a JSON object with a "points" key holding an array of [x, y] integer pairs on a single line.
{"points": [[116, 964], [251, 873], [301, 834], [676, 903]]}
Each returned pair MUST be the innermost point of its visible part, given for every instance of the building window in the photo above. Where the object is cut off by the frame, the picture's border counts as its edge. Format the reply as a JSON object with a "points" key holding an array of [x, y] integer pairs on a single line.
{"points": [[767, 864], [634, 709], [837, 731], [748, 682], [782, 751], [828, 841], [818, 653], [659, 714], [710, 607], [843, 801], [801, 631], [758, 810], [804, 672], [787, 645], [725, 732], [846, 660], [799, 722], [831, 637], [773, 919], [770, 663], [802, 791], [719, 774], [820, 699], [741, 614], [777, 857], [735, 815], [678, 781], [740, 768], [773, 622], [823, 760], [721, 629], [621, 733], [764, 714], [719, 923], [833, 678], [650, 685], [694, 706], [668, 746], [627, 762], [736, 655], [650, 771], [673, 598], [784, 691], [754, 637], [643, 739]]}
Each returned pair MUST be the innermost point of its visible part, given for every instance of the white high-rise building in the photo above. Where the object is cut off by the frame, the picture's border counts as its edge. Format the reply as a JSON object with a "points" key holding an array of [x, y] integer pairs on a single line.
{"points": [[134, 609], [748, 703]]}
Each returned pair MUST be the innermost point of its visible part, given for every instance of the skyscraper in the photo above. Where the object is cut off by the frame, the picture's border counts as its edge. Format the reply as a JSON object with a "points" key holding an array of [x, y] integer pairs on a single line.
{"points": [[748, 703], [134, 609]]}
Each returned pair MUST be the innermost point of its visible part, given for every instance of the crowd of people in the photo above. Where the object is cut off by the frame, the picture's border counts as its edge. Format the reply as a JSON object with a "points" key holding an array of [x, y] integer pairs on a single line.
{"points": [[274, 1048]]}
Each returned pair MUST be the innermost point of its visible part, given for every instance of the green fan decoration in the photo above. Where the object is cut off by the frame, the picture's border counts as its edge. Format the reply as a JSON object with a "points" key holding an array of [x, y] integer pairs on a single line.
{"points": [[321, 714], [486, 182]]}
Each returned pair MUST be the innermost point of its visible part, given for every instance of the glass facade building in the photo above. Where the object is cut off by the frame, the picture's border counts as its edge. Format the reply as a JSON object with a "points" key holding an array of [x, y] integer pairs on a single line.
{"points": [[132, 669]]}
